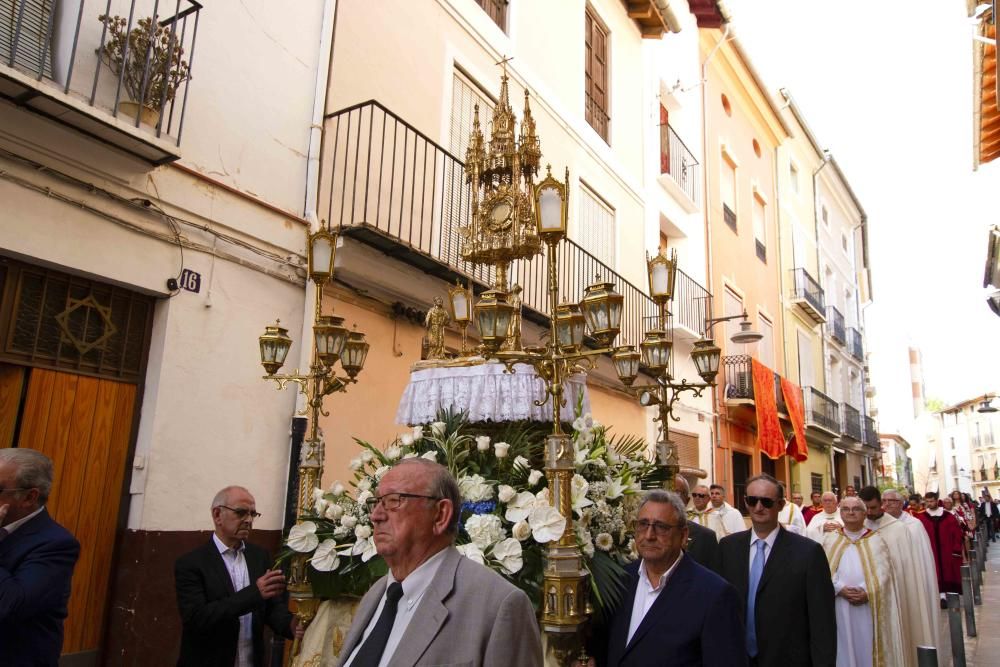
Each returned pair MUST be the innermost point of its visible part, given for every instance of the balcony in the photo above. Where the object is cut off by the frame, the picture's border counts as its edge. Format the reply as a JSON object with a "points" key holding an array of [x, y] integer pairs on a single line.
{"points": [[854, 344], [821, 411], [391, 187], [851, 426], [54, 63], [738, 382], [871, 433], [678, 167], [690, 307], [837, 331], [808, 296]]}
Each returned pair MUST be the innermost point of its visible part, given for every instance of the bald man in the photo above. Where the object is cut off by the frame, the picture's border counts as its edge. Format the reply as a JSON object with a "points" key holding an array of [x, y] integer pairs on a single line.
{"points": [[826, 521]]}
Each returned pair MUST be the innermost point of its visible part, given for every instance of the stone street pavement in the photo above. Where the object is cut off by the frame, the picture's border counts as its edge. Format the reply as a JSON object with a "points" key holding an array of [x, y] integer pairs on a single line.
{"points": [[983, 650]]}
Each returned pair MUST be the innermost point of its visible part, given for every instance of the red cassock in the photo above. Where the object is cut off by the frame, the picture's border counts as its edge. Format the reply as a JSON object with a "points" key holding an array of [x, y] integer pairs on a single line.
{"points": [[809, 512], [946, 543]]}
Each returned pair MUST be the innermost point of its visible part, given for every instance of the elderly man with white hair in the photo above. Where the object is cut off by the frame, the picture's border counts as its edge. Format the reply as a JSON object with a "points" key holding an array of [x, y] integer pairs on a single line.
{"points": [[869, 627], [828, 520]]}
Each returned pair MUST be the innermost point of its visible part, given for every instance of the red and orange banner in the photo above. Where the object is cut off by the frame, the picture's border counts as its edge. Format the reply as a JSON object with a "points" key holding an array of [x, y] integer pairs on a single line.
{"points": [[797, 447], [769, 437]]}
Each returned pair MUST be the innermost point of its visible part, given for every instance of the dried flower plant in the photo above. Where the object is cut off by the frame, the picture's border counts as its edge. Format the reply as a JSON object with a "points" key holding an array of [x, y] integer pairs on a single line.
{"points": [[148, 59]]}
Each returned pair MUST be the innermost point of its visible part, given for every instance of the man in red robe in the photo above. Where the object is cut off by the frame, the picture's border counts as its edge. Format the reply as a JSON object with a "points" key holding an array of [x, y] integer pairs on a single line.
{"points": [[816, 508], [946, 543]]}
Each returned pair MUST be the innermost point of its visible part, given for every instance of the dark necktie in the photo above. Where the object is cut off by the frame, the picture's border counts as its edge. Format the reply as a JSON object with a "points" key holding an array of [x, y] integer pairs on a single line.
{"points": [[371, 651]]}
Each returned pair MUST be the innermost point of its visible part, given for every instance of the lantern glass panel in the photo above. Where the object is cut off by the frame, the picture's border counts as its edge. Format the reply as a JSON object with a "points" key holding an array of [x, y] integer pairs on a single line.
{"points": [[355, 353], [615, 312], [460, 306], [321, 257], [550, 205], [659, 279]]}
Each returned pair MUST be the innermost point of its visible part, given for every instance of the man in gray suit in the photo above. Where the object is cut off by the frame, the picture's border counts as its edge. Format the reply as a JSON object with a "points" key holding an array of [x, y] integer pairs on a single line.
{"points": [[435, 606]]}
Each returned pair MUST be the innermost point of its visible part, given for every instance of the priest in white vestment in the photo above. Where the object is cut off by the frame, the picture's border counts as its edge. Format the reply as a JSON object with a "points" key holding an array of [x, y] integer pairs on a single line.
{"points": [[867, 605], [701, 511], [729, 517], [791, 517], [827, 520], [918, 586]]}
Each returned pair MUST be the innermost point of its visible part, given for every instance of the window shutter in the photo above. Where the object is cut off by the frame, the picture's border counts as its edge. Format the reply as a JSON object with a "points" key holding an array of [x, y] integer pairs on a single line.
{"points": [[596, 227]]}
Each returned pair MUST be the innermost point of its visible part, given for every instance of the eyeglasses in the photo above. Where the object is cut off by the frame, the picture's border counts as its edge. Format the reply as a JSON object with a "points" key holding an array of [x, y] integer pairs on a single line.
{"points": [[391, 501], [699, 495], [768, 503], [853, 509], [660, 528], [241, 512], [3, 490]]}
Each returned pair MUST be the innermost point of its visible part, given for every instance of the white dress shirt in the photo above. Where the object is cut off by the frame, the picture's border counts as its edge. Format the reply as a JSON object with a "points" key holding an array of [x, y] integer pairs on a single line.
{"points": [[646, 594], [14, 525], [769, 540], [236, 565], [414, 587]]}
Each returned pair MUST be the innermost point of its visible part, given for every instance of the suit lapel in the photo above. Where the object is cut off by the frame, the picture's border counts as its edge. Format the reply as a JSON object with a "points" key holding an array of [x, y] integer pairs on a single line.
{"points": [[216, 563], [363, 616], [742, 582], [774, 559], [618, 632], [430, 613], [675, 587]]}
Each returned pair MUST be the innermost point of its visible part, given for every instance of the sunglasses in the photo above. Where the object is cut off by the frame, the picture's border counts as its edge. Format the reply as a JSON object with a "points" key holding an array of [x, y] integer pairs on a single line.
{"points": [[699, 495], [768, 503]]}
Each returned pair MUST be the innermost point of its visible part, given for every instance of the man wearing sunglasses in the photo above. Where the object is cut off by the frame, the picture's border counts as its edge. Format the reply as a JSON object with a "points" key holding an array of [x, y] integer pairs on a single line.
{"points": [[226, 592], [435, 606], [37, 557], [785, 584]]}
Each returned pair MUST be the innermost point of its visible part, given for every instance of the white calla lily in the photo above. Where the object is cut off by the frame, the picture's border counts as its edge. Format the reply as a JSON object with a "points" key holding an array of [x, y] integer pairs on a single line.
{"points": [[547, 524], [325, 558], [508, 554], [520, 507], [302, 537]]}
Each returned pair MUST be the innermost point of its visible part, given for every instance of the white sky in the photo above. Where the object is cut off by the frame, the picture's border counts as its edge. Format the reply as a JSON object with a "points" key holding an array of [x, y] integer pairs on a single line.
{"points": [[887, 87]]}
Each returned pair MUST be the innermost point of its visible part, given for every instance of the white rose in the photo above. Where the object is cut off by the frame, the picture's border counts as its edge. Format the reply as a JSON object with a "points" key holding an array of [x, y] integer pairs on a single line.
{"points": [[519, 507], [406, 439], [334, 512], [418, 433], [302, 537], [355, 464], [363, 532], [431, 455], [381, 470], [348, 521], [521, 531], [604, 542], [506, 493], [474, 488], [472, 552], [363, 497], [483, 443], [500, 449], [437, 429], [547, 524], [393, 452], [337, 489], [521, 462], [366, 456], [320, 504], [508, 554], [484, 529], [340, 531], [325, 558], [534, 476], [364, 484]]}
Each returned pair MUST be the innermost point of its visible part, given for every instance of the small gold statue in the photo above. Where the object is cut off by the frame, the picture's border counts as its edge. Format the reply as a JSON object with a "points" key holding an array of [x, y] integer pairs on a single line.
{"points": [[513, 340], [435, 322]]}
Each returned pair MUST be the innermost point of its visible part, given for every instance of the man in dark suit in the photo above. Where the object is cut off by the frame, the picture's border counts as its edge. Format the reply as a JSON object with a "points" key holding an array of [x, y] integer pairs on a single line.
{"points": [[702, 544], [784, 582], [37, 556], [226, 593], [674, 612]]}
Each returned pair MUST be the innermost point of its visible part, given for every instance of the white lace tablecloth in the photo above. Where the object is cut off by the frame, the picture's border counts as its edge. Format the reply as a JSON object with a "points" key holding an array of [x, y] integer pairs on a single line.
{"points": [[485, 392]]}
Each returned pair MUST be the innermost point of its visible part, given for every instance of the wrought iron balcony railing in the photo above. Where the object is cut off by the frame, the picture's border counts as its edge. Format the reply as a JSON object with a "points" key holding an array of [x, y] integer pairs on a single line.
{"points": [[738, 378], [821, 410], [854, 344], [851, 426], [807, 294], [393, 187], [836, 321], [690, 307], [871, 433], [55, 60], [679, 162]]}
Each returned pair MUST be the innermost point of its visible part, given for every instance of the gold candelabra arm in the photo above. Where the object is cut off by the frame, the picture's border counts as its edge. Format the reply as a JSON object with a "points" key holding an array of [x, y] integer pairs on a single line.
{"points": [[283, 380]]}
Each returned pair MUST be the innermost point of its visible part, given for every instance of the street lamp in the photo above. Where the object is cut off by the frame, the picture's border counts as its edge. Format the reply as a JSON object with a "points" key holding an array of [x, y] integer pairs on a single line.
{"points": [[332, 342]]}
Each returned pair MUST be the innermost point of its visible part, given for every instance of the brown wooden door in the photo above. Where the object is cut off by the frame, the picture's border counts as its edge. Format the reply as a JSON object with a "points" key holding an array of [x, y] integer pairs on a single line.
{"points": [[84, 425]]}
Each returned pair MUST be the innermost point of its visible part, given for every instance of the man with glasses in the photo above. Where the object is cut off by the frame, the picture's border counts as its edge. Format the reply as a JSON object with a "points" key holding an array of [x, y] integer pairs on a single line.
{"points": [[826, 521], [37, 557], [784, 582], [647, 629], [435, 606], [226, 592], [702, 544], [863, 581]]}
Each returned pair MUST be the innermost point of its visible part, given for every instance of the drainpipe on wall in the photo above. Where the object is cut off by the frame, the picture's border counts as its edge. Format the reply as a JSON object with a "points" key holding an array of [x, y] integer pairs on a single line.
{"points": [[822, 330], [716, 437]]}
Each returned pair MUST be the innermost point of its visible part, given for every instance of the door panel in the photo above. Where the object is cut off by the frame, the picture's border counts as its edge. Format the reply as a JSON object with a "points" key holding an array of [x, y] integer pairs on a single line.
{"points": [[83, 424], [11, 385]]}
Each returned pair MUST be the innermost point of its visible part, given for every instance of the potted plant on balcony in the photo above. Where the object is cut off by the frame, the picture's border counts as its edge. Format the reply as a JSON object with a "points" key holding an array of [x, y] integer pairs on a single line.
{"points": [[149, 61]]}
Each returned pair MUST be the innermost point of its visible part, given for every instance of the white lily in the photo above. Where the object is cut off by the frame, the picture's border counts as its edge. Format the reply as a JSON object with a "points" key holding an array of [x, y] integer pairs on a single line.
{"points": [[616, 487]]}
